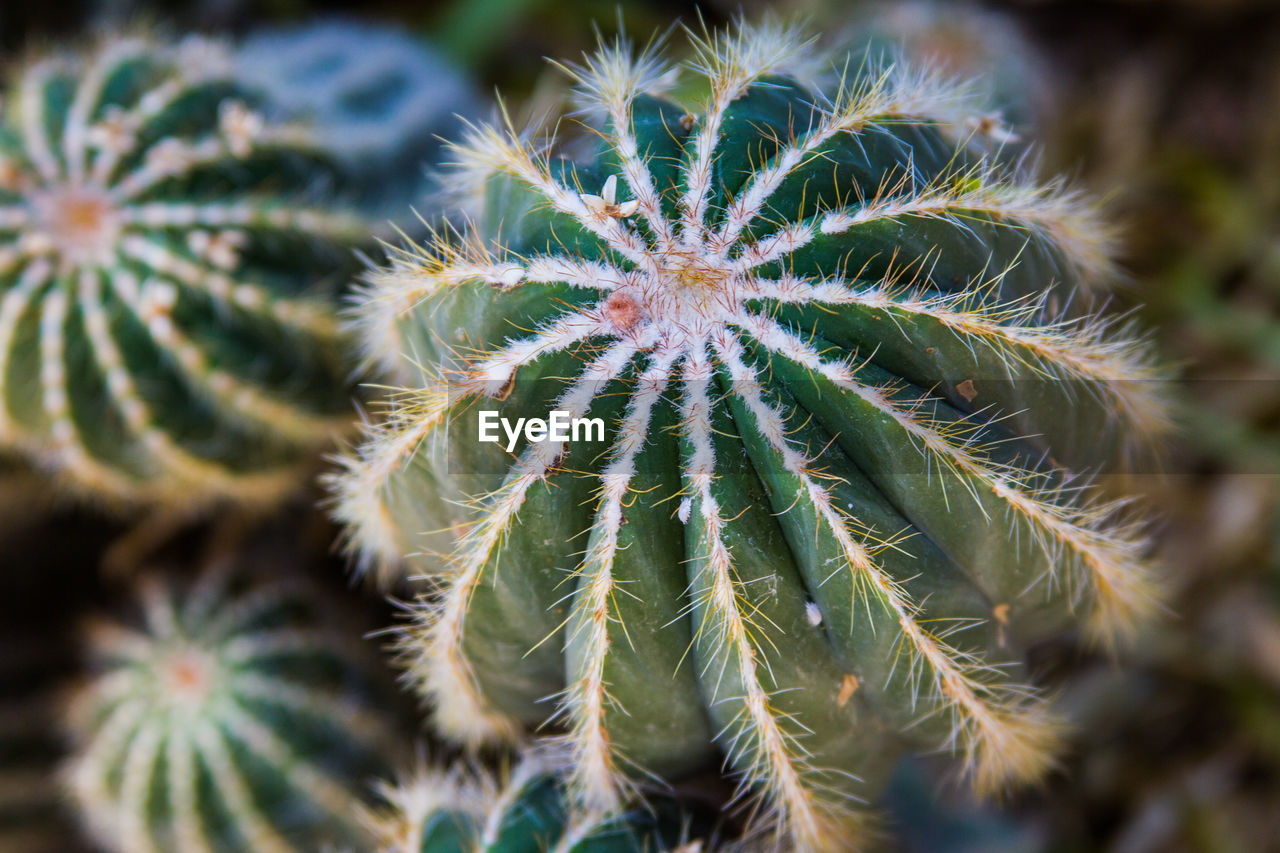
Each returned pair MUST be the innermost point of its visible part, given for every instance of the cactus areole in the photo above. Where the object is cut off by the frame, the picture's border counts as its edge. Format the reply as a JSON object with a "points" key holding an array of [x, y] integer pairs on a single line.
{"points": [[824, 521], [162, 245]]}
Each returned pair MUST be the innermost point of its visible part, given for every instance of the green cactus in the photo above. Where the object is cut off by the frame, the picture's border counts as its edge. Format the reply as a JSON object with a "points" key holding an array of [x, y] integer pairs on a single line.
{"points": [[531, 812], [163, 251], [232, 717], [785, 545]]}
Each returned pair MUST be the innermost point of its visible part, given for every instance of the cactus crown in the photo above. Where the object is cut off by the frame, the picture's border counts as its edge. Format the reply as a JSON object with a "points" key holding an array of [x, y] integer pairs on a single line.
{"points": [[757, 291], [231, 718], [157, 336]]}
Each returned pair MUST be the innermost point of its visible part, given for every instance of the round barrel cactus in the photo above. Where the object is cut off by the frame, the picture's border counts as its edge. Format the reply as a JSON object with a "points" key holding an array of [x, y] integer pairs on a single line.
{"points": [[165, 251], [529, 812], [230, 716], [834, 431]]}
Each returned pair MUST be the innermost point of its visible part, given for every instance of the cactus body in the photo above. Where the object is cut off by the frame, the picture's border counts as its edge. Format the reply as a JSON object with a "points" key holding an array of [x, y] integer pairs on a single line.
{"points": [[163, 334], [785, 544], [438, 812], [232, 717], [380, 98]]}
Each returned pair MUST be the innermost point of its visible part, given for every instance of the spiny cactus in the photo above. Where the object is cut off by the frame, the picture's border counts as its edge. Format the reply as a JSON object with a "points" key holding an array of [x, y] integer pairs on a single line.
{"points": [[162, 331], [380, 98], [232, 717], [786, 544], [448, 811]]}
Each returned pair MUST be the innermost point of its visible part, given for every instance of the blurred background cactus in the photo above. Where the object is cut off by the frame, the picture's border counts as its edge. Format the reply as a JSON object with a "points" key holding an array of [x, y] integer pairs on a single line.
{"points": [[165, 249], [231, 715], [1169, 114], [380, 99]]}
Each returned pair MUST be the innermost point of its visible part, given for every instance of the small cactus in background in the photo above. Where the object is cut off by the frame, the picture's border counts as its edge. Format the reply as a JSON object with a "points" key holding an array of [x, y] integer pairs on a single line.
{"points": [[380, 99], [232, 717], [163, 333], [785, 544], [530, 812]]}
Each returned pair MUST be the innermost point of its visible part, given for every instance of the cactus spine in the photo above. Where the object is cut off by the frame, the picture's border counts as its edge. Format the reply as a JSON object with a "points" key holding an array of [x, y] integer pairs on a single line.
{"points": [[787, 545], [232, 717], [161, 332], [530, 812]]}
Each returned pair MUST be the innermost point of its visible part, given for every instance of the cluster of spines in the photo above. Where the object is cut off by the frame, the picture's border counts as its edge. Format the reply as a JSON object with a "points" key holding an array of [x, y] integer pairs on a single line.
{"points": [[1001, 728], [233, 716], [529, 809], [133, 191]]}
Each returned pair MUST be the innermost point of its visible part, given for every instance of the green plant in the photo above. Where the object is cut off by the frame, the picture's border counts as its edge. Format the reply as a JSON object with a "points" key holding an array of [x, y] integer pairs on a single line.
{"points": [[786, 544], [529, 812], [232, 715], [164, 247]]}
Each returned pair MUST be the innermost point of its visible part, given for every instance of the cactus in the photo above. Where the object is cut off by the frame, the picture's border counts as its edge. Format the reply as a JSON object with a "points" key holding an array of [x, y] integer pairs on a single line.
{"points": [[163, 334], [232, 717], [847, 428], [447, 811], [380, 98]]}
